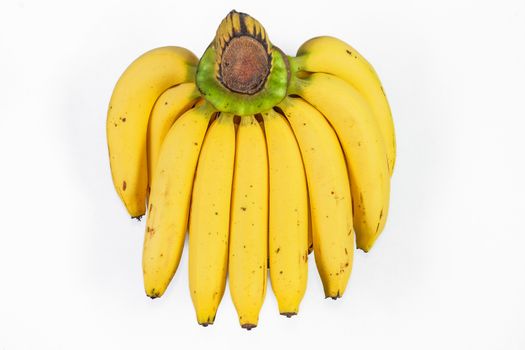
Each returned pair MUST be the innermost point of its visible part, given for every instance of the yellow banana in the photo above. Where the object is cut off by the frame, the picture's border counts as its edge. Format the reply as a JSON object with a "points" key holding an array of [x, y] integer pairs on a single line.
{"points": [[329, 190], [363, 146], [169, 106], [210, 219], [331, 55], [169, 200], [288, 214], [310, 239], [129, 109], [248, 253]]}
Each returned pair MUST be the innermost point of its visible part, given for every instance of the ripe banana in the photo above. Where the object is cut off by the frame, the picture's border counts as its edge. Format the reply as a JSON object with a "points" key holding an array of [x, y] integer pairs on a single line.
{"points": [[170, 199], [329, 190], [210, 219], [288, 214], [363, 147], [249, 223], [297, 155], [129, 109], [169, 106], [331, 55]]}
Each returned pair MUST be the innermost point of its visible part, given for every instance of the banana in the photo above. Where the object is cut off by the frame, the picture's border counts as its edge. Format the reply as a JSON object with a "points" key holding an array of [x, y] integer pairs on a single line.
{"points": [[329, 190], [248, 253], [169, 200], [169, 106], [330, 55], [363, 146], [262, 157], [129, 109], [288, 215], [210, 219]]}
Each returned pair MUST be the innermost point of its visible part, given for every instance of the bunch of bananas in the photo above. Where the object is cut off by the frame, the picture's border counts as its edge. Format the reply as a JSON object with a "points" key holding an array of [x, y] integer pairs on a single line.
{"points": [[261, 157]]}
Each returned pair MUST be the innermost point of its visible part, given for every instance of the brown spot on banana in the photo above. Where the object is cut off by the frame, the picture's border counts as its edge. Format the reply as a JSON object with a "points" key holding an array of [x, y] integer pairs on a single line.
{"points": [[150, 231]]}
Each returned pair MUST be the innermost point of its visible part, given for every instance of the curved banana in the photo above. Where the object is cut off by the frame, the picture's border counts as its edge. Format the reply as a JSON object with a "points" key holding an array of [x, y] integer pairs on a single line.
{"points": [[330, 55], [169, 201], [169, 106], [129, 109], [248, 254], [329, 190], [363, 146], [210, 219], [288, 215]]}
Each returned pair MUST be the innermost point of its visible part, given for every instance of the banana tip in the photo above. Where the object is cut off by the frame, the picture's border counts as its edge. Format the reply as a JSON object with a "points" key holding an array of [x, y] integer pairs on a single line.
{"points": [[289, 314], [248, 326], [138, 217], [364, 249], [153, 294], [333, 297]]}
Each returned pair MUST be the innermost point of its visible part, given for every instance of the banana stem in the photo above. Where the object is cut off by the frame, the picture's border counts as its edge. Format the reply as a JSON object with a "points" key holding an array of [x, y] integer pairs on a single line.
{"points": [[192, 71], [296, 85], [296, 64]]}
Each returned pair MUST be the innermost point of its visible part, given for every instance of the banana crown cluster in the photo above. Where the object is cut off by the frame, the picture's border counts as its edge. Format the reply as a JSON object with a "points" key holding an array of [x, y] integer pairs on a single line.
{"points": [[237, 26], [261, 157], [241, 72]]}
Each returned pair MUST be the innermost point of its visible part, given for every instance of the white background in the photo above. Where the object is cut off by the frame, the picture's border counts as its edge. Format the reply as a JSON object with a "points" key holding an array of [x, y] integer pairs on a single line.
{"points": [[448, 271]]}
